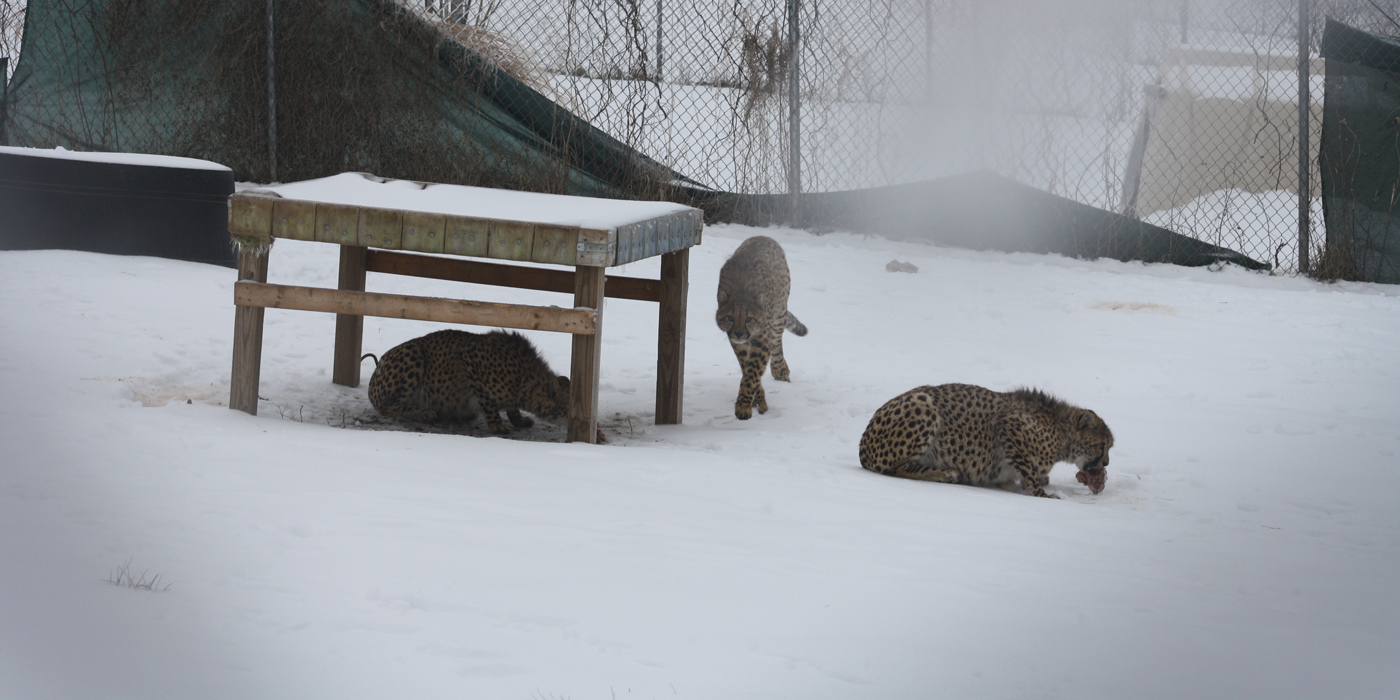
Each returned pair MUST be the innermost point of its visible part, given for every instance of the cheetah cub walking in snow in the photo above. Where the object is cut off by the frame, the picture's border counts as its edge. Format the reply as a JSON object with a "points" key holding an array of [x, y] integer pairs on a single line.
{"points": [[753, 296], [964, 434]]}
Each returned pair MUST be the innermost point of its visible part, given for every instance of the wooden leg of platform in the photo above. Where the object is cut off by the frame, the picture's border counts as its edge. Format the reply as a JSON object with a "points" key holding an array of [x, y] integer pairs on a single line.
{"points": [[583, 374], [349, 329], [247, 338], [670, 344]]}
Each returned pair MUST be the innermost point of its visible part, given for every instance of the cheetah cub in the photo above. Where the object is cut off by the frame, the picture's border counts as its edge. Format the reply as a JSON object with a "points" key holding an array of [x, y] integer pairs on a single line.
{"points": [[753, 296], [451, 376], [964, 434]]}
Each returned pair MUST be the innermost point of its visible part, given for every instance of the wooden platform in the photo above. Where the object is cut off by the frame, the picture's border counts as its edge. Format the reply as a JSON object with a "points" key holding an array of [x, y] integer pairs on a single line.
{"points": [[584, 234]]}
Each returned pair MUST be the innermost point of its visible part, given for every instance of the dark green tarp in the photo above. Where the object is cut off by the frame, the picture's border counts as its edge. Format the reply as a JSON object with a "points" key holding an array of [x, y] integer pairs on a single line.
{"points": [[1360, 158], [366, 85], [361, 85], [985, 211]]}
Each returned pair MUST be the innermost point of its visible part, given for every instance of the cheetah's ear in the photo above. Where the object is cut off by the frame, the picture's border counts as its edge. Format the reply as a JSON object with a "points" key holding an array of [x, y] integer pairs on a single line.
{"points": [[723, 296], [563, 382], [1087, 419]]}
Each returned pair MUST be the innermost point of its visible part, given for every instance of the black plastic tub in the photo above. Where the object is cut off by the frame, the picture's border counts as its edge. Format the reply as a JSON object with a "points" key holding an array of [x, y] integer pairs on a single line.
{"points": [[122, 204]]}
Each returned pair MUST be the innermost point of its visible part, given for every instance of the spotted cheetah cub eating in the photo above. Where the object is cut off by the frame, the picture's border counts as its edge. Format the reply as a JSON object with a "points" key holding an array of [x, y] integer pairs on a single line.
{"points": [[964, 434], [753, 297], [451, 376]]}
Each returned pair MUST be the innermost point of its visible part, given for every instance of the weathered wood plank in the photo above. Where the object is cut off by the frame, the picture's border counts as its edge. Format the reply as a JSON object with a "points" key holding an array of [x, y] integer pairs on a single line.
{"points": [[294, 219], [667, 234], [466, 236], [585, 362], [557, 245], [349, 328], [381, 228], [496, 274], [511, 240], [670, 344], [423, 232], [338, 223], [476, 313], [247, 336], [596, 247], [250, 218]]}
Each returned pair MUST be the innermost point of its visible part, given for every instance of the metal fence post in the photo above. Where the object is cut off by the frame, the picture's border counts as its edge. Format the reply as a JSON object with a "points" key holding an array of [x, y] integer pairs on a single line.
{"points": [[271, 95], [4, 99], [794, 114], [658, 41], [1185, 19], [928, 51], [1304, 142]]}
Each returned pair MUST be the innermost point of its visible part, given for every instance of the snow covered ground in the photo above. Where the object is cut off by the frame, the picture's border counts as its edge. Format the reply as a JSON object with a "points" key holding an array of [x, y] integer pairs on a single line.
{"points": [[1247, 544]]}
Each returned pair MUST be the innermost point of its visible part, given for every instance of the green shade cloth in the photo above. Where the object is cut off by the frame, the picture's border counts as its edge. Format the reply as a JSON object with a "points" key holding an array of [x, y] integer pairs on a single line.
{"points": [[1360, 159], [362, 85]]}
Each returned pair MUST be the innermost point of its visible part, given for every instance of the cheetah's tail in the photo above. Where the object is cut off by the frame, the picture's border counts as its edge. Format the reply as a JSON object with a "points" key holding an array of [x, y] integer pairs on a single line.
{"points": [[370, 354], [791, 323]]}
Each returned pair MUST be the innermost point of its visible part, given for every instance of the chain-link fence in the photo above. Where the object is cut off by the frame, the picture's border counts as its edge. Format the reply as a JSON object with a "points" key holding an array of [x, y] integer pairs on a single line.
{"points": [[11, 28], [1216, 153], [1181, 112], [889, 92]]}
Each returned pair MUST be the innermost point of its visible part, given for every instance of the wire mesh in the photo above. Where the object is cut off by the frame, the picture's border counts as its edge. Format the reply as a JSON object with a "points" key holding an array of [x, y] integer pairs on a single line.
{"points": [[11, 29], [1182, 113], [1179, 112]]}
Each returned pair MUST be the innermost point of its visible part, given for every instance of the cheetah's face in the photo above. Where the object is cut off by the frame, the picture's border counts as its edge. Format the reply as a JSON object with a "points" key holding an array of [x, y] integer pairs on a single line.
{"points": [[1091, 443], [550, 399], [737, 319]]}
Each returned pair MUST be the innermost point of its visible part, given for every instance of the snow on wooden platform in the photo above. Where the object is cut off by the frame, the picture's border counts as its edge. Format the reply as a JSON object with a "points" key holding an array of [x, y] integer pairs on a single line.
{"points": [[362, 189]]}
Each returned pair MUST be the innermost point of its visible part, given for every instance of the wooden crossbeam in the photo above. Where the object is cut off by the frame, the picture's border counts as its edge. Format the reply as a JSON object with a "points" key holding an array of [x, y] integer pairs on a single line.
{"points": [[579, 321], [520, 277]]}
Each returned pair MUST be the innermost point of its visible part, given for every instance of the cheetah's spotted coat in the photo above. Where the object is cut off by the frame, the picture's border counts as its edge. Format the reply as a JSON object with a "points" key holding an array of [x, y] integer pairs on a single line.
{"points": [[753, 296], [964, 434], [451, 376]]}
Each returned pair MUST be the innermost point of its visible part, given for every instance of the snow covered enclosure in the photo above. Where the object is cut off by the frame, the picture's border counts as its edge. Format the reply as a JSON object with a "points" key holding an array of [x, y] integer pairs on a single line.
{"points": [[1246, 547]]}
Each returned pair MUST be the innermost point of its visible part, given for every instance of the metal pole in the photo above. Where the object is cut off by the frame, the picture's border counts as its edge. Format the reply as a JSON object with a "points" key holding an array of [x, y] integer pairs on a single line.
{"points": [[794, 115], [271, 96], [4, 98], [928, 51], [658, 41], [1304, 141], [1185, 18]]}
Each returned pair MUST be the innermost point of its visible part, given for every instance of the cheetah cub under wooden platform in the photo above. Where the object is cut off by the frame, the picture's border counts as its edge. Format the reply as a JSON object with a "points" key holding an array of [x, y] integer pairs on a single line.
{"points": [[451, 376], [753, 297], [964, 434]]}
